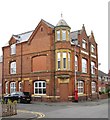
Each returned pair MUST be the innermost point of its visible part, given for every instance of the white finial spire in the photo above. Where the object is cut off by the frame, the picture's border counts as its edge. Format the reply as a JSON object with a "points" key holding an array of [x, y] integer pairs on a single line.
{"points": [[61, 15]]}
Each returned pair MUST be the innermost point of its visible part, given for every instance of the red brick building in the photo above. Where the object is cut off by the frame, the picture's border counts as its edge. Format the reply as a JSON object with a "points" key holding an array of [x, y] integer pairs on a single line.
{"points": [[49, 65], [0, 76]]}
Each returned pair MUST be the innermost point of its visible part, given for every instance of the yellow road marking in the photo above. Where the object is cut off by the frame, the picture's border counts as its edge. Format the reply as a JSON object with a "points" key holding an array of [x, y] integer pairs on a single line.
{"points": [[38, 114]]}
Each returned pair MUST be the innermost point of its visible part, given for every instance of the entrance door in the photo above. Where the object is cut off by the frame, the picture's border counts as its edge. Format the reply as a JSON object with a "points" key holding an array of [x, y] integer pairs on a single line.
{"points": [[64, 92]]}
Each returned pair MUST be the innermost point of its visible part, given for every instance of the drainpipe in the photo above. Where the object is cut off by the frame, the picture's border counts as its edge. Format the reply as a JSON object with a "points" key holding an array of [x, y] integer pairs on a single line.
{"points": [[90, 90], [3, 85], [21, 69], [54, 67]]}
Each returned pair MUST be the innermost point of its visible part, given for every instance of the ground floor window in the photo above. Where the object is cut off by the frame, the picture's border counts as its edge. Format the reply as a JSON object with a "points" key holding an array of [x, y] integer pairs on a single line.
{"points": [[40, 87], [12, 87], [19, 86], [93, 85], [80, 87], [6, 88]]}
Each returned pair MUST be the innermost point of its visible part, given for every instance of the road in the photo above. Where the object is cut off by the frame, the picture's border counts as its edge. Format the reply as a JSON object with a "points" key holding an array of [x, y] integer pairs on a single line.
{"points": [[97, 109]]}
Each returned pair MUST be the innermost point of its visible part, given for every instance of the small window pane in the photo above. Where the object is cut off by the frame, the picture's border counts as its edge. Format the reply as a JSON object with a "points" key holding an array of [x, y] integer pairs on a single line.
{"points": [[44, 91], [63, 34], [40, 91], [58, 35], [44, 85], [39, 84]]}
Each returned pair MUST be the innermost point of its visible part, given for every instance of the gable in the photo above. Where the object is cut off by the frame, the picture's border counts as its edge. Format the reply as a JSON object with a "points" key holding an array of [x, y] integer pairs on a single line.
{"points": [[41, 26], [92, 38], [12, 40]]}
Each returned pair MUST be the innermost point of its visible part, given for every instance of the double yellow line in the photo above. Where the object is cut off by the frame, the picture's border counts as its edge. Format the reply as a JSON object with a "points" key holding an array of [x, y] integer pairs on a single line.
{"points": [[37, 114]]}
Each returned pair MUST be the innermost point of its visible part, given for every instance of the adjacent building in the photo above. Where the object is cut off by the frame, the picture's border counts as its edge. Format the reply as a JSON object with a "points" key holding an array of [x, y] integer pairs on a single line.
{"points": [[51, 62], [103, 81]]}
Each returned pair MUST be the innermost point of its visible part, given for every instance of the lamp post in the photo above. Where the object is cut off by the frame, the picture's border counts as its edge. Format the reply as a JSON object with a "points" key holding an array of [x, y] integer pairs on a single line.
{"points": [[75, 41]]}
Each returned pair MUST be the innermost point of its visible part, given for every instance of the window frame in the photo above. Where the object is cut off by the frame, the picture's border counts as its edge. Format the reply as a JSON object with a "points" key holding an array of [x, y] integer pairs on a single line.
{"points": [[20, 86], [76, 63], [84, 65], [69, 60], [84, 44], [92, 67], [12, 87], [13, 67], [64, 57], [63, 35], [58, 35], [39, 87], [59, 60], [92, 48], [13, 49], [6, 88], [80, 87], [93, 86]]}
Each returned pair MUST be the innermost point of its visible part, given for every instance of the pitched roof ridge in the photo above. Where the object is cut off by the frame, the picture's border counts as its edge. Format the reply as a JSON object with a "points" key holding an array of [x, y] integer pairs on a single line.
{"points": [[76, 31], [47, 23], [25, 32]]}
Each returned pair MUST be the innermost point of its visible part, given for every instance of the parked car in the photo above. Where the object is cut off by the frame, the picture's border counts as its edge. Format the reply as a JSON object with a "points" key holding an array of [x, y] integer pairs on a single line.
{"points": [[21, 97]]}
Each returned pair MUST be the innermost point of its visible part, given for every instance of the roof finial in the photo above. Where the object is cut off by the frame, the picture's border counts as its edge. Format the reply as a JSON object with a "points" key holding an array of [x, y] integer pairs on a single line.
{"points": [[61, 15]]}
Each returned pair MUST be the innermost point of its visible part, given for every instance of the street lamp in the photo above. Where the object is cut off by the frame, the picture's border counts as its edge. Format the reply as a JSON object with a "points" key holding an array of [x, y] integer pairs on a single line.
{"points": [[75, 42]]}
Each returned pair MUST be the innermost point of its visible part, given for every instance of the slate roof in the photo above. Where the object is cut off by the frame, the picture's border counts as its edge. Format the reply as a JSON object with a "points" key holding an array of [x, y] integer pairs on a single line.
{"points": [[62, 22], [74, 34], [23, 37], [100, 73]]}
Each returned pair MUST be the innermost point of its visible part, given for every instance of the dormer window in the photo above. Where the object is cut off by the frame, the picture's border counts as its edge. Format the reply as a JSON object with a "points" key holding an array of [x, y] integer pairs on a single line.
{"points": [[63, 35], [58, 35], [84, 44], [13, 49], [92, 48]]}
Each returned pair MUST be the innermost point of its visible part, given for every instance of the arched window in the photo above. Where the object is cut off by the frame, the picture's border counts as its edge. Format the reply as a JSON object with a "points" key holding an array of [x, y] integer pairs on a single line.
{"points": [[6, 88], [40, 87], [84, 65], [93, 86], [20, 87], [13, 67], [12, 87], [76, 63], [80, 87]]}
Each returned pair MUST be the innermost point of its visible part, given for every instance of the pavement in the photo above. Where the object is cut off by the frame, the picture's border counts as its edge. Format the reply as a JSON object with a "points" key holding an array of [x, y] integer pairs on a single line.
{"points": [[27, 115], [24, 115]]}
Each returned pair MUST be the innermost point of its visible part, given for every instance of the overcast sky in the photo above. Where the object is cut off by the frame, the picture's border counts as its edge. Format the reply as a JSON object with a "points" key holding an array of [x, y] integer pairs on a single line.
{"points": [[18, 16]]}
